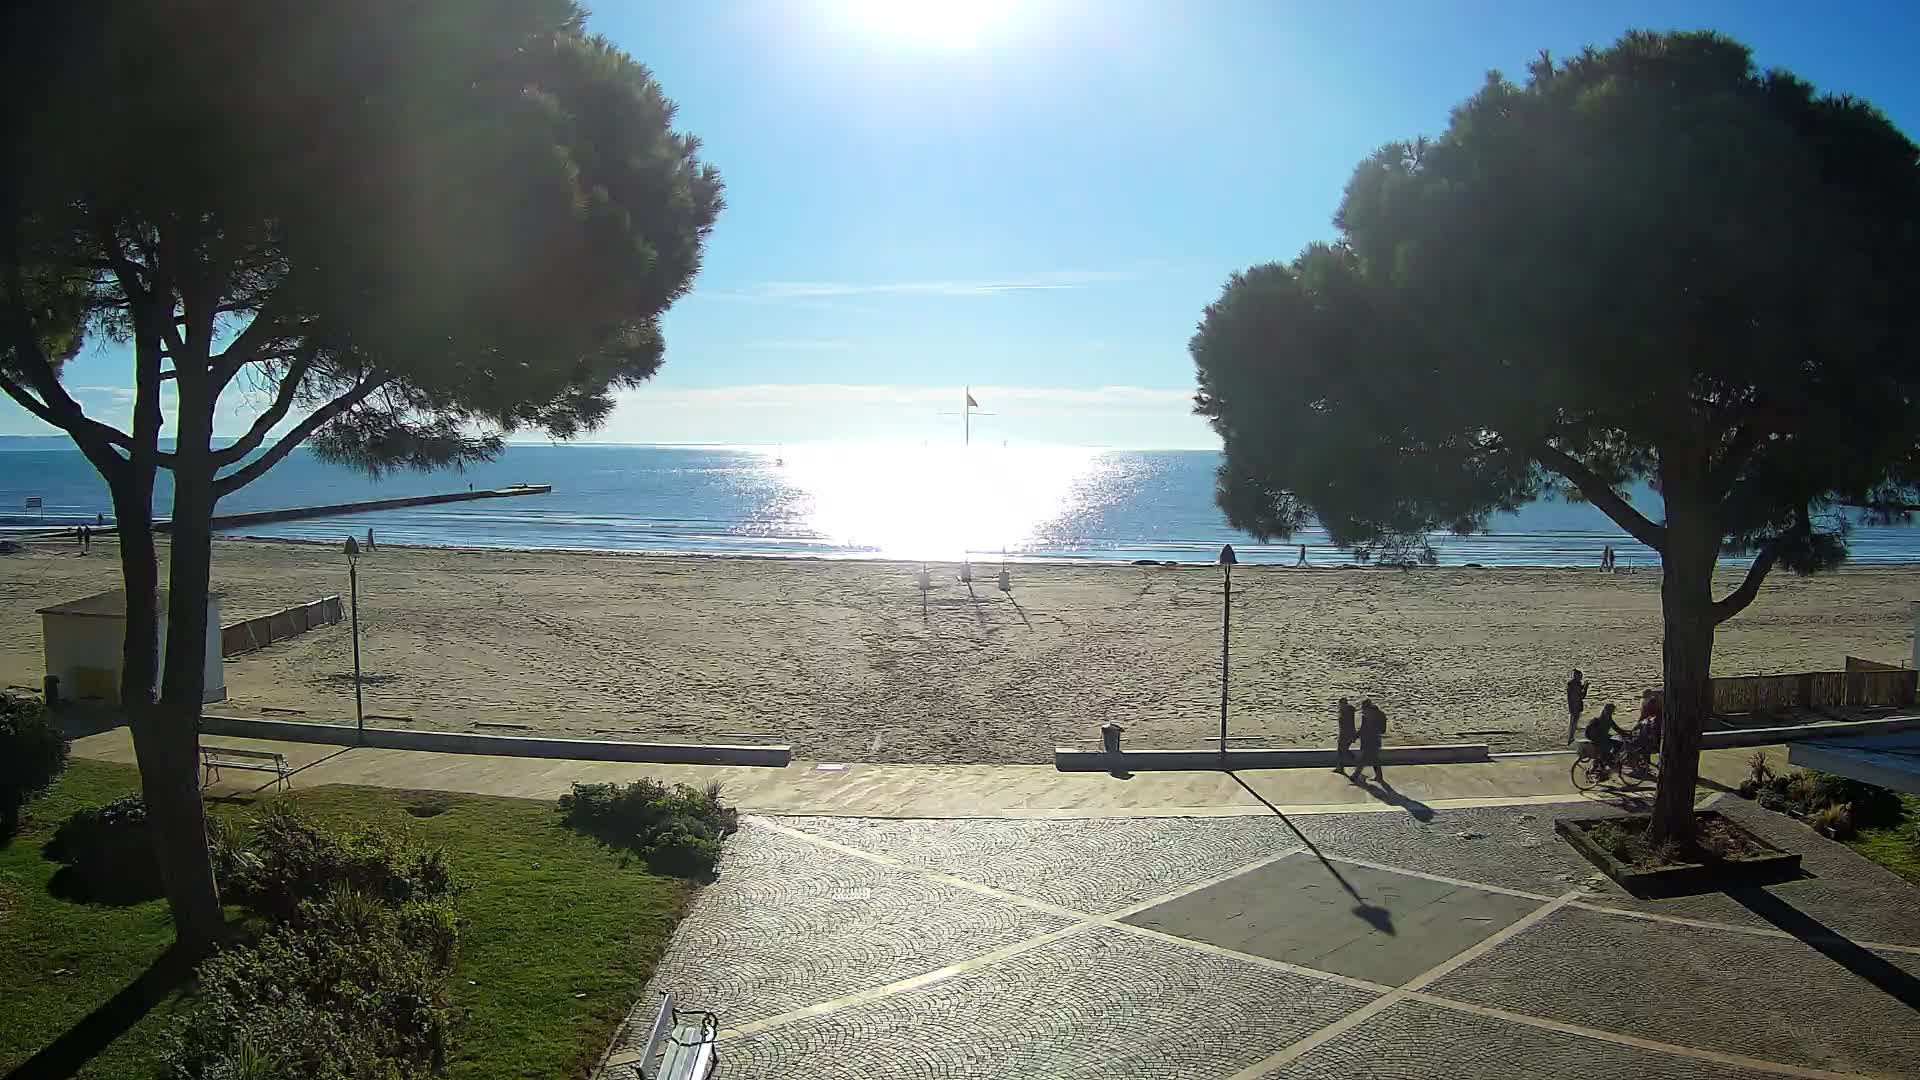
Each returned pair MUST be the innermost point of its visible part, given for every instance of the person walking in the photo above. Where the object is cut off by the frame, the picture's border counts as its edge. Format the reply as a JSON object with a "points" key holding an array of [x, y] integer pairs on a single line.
{"points": [[1373, 728], [1303, 556], [1576, 703], [1349, 731]]}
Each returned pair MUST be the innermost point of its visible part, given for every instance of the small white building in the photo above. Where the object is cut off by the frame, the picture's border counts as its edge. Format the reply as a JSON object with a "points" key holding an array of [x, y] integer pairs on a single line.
{"points": [[84, 639]]}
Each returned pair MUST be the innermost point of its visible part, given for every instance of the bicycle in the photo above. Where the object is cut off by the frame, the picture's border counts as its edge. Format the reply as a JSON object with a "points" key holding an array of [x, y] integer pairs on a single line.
{"points": [[1631, 761]]}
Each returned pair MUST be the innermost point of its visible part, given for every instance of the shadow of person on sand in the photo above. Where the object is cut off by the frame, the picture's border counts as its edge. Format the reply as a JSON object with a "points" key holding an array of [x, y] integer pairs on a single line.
{"points": [[1372, 914]]}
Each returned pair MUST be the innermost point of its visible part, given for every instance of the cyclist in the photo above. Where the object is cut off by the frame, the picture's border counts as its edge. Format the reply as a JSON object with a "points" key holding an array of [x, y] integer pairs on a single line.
{"points": [[1600, 735]]}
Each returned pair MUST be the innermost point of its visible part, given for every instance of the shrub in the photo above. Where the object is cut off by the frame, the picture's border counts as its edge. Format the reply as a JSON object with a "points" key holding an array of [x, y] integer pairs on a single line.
{"points": [[108, 853], [295, 860], [1834, 820], [348, 988], [677, 829], [1808, 794], [33, 751]]}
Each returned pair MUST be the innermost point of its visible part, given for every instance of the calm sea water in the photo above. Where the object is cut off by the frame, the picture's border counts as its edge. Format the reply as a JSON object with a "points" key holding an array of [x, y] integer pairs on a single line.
{"points": [[833, 501]]}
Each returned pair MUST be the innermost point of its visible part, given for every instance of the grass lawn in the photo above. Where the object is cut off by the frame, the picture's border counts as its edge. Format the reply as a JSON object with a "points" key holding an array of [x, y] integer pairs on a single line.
{"points": [[559, 936], [1894, 846]]}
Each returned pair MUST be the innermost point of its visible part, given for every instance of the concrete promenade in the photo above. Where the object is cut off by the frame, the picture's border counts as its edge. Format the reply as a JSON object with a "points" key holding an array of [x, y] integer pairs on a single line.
{"points": [[956, 791]]}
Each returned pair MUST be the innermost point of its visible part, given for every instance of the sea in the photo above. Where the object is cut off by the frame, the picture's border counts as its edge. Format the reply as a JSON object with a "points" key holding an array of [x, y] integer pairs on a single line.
{"points": [[829, 500]]}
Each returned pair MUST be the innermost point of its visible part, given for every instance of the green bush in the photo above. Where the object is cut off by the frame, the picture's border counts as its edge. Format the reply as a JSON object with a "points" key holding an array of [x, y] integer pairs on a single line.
{"points": [[351, 987], [33, 751], [1834, 820], [108, 853], [295, 860], [677, 829], [1807, 794]]}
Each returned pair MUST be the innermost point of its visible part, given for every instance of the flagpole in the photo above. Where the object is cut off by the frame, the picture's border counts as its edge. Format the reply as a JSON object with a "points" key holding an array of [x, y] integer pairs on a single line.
{"points": [[966, 410]]}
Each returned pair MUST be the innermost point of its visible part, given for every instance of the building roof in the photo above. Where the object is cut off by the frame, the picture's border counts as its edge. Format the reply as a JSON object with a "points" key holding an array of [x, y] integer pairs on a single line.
{"points": [[111, 604], [1889, 761]]}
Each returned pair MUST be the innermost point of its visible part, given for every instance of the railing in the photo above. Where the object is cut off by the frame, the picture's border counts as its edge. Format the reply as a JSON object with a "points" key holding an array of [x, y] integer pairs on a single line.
{"points": [[1859, 685]]}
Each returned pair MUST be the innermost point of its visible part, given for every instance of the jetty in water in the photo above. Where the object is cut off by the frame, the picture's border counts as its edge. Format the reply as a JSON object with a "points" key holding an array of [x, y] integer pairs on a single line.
{"points": [[259, 517]]}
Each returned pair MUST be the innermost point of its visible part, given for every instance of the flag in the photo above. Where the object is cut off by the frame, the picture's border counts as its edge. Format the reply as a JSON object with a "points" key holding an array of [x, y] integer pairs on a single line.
{"points": [[971, 404]]}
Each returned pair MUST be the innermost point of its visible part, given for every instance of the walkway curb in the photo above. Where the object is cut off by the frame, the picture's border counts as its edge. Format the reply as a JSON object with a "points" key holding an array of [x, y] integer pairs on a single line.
{"points": [[454, 742]]}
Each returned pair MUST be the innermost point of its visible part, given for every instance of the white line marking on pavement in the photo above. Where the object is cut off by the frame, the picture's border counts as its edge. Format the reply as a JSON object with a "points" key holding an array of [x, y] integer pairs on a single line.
{"points": [[1490, 942], [904, 985], [1293, 1052], [1442, 879], [1620, 1039], [1250, 958], [1734, 928]]}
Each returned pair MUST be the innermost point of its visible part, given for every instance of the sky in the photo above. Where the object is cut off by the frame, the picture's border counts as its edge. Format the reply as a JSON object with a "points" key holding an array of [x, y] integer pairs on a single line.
{"points": [[1038, 198]]}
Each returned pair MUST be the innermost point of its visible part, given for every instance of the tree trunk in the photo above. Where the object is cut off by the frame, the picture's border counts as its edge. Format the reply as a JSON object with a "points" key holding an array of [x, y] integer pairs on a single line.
{"points": [[1686, 603], [173, 789]]}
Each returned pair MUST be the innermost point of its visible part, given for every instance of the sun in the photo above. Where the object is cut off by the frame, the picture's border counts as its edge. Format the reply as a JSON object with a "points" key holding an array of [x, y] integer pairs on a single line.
{"points": [[951, 24]]}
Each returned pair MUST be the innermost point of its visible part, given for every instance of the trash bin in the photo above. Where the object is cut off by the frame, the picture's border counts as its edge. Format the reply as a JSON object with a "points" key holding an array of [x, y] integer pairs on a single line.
{"points": [[52, 687], [1110, 737]]}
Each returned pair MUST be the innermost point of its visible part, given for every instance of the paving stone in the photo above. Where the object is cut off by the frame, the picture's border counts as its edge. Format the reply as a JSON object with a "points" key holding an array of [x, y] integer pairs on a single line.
{"points": [[1097, 865], [1417, 1041], [1102, 1003], [1774, 999], [1350, 920], [1845, 892], [790, 924], [1513, 847]]}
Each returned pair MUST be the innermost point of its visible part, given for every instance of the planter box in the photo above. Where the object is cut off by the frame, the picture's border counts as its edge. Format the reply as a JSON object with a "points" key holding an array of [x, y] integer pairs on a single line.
{"points": [[1770, 864]]}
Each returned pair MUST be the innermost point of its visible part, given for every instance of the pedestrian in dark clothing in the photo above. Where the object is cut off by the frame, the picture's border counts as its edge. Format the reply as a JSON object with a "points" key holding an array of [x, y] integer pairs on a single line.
{"points": [[1349, 731], [86, 538], [1576, 703], [1373, 728]]}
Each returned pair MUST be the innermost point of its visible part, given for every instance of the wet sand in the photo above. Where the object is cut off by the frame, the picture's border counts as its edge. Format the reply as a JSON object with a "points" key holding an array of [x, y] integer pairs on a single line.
{"points": [[835, 658]]}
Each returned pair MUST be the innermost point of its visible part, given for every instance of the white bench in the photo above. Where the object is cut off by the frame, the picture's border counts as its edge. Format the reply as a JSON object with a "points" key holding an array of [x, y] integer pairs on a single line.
{"points": [[215, 758], [688, 1048]]}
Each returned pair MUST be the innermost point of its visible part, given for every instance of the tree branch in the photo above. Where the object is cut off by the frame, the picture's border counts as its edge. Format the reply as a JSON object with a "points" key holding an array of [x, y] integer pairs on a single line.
{"points": [[315, 420], [1601, 494], [1737, 600], [1739, 450], [282, 401]]}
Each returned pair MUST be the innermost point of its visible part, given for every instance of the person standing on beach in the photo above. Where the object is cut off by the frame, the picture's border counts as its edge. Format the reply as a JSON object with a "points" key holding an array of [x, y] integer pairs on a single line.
{"points": [[369, 539], [1349, 731], [1576, 703], [1373, 728], [1303, 556]]}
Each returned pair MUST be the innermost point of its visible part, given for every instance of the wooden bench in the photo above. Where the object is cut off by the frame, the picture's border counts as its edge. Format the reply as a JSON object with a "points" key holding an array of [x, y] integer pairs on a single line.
{"points": [[685, 1051], [215, 758]]}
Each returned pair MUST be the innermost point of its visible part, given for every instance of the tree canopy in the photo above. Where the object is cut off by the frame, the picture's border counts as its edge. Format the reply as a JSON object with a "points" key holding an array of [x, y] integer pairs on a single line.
{"points": [[398, 231], [414, 227], [1643, 262], [1646, 262]]}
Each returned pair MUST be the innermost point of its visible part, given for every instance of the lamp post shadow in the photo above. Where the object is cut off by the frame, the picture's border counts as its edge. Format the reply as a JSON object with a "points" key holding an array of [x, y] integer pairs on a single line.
{"points": [[1373, 914]]}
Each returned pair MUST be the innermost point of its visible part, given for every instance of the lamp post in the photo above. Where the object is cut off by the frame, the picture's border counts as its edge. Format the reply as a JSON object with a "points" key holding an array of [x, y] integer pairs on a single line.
{"points": [[1227, 559], [353, 589]]}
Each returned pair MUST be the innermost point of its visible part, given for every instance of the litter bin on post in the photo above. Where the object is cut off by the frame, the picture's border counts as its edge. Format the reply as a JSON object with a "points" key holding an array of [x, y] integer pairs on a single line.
{"points": [[52, 687], [1110, 737]]}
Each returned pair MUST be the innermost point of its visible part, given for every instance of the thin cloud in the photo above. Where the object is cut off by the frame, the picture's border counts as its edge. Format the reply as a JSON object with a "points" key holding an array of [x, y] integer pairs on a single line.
{"points": [[1047, 282]]}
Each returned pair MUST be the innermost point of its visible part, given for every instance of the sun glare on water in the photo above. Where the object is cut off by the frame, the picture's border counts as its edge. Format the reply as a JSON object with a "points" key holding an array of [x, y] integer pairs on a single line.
{"points": [[952, 24], [935, 503]]}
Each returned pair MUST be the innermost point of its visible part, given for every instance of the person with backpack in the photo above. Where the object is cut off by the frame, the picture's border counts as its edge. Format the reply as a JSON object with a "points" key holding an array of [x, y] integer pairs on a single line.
{"points": [[1373, 728]]}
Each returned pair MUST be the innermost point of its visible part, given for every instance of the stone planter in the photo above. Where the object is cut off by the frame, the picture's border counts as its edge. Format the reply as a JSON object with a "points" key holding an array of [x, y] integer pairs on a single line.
{"points": [[1765, 865]]}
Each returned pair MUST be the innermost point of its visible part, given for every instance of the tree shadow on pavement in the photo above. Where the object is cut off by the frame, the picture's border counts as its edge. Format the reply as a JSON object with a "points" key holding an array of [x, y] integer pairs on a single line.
{"points": [[67, 1055], [1835, 946], [1378, 917]]}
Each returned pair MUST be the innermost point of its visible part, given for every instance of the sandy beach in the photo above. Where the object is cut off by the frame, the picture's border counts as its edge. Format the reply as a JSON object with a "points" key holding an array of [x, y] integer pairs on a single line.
{"points": [[834, 657]]}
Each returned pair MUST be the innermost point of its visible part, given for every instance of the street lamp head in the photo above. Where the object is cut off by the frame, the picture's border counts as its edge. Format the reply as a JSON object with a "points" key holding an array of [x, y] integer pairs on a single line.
{"points": [[353, 548], [1227, 557]]}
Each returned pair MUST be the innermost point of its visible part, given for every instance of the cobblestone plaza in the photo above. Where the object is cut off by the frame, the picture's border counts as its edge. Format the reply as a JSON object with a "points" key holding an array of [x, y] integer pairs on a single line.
{"points": [[1458, 943]]}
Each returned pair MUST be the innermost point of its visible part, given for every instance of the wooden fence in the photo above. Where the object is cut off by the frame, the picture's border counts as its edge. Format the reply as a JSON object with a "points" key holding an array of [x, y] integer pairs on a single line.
{"points": [[1859, 685], [257, 633]]}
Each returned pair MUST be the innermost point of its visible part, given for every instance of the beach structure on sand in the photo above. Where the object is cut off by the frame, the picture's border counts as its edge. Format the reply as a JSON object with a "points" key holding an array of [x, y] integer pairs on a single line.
{"points": [[83, 640]]}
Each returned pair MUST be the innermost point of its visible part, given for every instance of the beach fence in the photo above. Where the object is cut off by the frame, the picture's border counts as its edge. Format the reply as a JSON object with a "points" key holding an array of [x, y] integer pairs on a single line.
{"points": [[264, 630], [1864, 682]]}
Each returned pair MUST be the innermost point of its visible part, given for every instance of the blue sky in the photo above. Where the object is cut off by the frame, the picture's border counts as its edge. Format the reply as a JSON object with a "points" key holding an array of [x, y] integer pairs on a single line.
{"points": [[1038, 198]]}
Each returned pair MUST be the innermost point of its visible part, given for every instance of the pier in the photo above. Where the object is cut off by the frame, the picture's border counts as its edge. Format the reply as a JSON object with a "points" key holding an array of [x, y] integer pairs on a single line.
{"points": [[260, 517]]}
